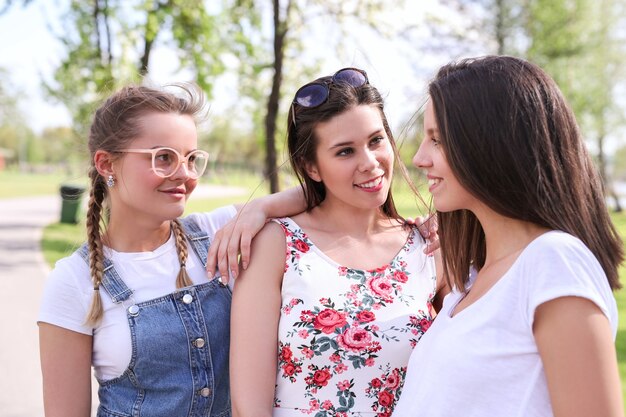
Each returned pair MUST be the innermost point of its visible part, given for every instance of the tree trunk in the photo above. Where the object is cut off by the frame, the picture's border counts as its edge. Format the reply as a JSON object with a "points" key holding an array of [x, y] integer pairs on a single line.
{"points": [[145, 58], [271, 172]]}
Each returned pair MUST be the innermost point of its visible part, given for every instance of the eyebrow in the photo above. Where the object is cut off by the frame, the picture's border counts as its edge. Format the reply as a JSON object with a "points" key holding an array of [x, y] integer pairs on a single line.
{"points": [[347, 143]]}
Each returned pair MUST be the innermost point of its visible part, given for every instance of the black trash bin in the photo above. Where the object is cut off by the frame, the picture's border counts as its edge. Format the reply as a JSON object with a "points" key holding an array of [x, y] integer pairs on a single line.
{"points": [[71, 196]]}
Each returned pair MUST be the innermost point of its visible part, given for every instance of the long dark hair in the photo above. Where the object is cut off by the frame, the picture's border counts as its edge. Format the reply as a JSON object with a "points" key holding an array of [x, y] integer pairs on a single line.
{"points": [[302, 142], [512, 140]]}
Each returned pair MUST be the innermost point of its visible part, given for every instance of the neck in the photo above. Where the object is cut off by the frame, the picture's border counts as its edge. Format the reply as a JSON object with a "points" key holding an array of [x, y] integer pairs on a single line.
{"points": [[135, 236], [350, 221], [505, 236]]}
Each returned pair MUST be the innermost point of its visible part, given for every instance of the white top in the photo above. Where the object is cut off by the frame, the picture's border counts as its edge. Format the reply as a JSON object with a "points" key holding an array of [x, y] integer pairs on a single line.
{"points": [[484, 360], [346, 335], [68, 293]]}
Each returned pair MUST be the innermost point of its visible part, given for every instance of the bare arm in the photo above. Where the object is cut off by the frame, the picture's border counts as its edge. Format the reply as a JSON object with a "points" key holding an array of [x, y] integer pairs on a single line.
{"points": [[255, 314], [236, 235], [66, 369], [576, 346]]}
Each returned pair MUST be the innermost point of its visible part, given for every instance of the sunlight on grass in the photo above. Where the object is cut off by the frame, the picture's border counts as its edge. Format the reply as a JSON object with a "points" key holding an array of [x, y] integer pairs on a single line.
{"points": [[16, 184]]}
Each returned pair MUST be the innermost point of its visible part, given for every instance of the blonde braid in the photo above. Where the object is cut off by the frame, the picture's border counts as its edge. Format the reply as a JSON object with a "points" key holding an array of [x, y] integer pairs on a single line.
{"points": [[94, 243], [182, 280]]}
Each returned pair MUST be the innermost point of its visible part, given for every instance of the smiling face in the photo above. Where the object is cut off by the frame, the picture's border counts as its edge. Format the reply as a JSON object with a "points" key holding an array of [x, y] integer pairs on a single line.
{"points": [[354, 158], [139, 192], [448, 194]]}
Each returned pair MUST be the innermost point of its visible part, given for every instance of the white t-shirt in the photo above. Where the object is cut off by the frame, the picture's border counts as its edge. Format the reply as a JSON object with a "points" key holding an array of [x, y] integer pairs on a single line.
{"points": [[68, 293], [484, 361]]}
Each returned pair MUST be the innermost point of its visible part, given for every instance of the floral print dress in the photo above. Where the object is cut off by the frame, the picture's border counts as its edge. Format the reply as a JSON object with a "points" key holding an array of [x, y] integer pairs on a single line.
{"points": [[345, 335]]}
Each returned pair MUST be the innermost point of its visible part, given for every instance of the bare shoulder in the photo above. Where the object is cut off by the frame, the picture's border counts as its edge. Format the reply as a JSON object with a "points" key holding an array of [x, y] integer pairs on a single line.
{"points": [[267, 255]]}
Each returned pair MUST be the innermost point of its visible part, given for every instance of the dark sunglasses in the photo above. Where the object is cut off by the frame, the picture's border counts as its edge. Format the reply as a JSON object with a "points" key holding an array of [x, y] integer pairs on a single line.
{"points": [[316, 93]]}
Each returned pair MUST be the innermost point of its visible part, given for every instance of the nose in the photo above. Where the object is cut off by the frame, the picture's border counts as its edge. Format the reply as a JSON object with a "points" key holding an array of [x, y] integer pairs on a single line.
{"points": [[369, 161], [181, 172], [421, 159]]}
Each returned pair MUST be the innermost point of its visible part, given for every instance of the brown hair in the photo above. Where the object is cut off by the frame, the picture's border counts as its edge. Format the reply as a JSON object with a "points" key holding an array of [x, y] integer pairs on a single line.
{"points": [[512, 140], [116, 123], [302, 142]]}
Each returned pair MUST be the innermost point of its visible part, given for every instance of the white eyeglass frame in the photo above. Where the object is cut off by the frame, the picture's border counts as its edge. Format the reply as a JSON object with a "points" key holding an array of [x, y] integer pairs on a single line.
{"points": [[181, 160]]}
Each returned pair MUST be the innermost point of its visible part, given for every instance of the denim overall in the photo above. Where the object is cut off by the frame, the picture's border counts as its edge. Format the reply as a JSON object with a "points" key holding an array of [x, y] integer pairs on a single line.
{"points": [[180, 347]]}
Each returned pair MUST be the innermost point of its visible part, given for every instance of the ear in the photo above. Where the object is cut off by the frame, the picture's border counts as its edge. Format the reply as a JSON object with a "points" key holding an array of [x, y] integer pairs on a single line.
{"points": [[313, 172], [103, 161]]}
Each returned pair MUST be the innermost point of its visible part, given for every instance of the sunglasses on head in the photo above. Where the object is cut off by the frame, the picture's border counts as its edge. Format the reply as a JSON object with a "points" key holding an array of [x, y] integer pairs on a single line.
{"points": [[316, 93]]}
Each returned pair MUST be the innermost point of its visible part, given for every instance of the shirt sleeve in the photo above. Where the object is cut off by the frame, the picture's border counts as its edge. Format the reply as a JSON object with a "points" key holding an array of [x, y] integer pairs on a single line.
{"points": [[213, 221], [67, 295], [560, 265]]}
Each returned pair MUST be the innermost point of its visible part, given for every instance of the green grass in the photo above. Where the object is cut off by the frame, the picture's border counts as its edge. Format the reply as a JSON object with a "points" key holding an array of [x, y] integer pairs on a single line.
{"points": [[18, 184]]}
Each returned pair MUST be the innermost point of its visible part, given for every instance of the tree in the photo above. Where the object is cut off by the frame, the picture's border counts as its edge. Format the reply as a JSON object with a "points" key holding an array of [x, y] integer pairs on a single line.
{"points": [[289, 19], [15, 135], [110, 43], [575, 41]]}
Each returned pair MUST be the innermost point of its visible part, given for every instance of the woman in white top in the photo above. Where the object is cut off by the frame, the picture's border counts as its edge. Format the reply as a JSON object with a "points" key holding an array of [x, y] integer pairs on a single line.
{"points": [[530, 332], [135, 302]]}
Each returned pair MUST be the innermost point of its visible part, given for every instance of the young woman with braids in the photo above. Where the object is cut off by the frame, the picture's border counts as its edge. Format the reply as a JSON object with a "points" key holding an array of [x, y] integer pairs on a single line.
{"points": [[135, 302]]}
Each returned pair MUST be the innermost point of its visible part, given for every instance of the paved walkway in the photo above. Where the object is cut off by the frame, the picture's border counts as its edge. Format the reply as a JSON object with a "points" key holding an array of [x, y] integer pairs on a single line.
{"points": [[22, 275]]}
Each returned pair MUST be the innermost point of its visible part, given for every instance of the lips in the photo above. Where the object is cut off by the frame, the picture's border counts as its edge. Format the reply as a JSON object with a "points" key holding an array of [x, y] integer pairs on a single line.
{"points": [[177, 190], [372, 184], [433, 182]]}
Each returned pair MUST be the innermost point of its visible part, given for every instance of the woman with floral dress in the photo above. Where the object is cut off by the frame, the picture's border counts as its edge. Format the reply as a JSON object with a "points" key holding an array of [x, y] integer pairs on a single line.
{"points": [[333, 300]]}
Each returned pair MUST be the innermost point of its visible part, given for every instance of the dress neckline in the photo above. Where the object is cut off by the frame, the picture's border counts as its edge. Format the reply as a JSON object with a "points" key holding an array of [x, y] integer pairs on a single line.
{"points": [[406, 247]]}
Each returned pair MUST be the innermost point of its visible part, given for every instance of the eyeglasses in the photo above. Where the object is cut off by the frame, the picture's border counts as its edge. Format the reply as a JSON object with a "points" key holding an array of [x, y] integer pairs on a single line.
{"points": [[166, 161], [316, 93]]}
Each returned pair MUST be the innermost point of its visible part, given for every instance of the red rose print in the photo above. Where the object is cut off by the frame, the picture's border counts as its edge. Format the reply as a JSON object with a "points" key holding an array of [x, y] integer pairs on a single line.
{"points": [[301, 246], [393, 380], [365, 316], [321, 377], [285, 353], [376, 383], [328, 320], [381, 287], [307, 316], [400, 276], [425, 324], [355, 339], [327, 405], [385, 398], [289, 369]]}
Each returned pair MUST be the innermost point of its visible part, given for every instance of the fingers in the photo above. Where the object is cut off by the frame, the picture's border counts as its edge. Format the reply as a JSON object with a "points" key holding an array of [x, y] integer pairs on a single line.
{"points": [[232, 254], [244, 247], [211, 261]]}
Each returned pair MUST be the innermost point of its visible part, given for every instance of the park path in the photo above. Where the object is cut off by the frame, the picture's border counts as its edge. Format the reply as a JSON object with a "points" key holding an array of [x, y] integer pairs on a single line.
{"points": [[22, 275]]}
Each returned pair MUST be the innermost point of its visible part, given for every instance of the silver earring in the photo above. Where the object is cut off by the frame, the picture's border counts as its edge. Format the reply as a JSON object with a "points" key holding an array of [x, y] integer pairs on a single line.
{"points": [[110, 181]]}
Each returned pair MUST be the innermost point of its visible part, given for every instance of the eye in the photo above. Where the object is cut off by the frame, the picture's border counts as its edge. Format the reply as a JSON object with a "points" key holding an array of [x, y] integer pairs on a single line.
{"points": [[345, 152], [376, 140]]}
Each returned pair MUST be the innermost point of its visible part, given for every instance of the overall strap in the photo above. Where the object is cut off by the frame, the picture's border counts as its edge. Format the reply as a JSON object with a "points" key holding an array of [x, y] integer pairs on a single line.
{"points": [[112, 282], [198, 238]]}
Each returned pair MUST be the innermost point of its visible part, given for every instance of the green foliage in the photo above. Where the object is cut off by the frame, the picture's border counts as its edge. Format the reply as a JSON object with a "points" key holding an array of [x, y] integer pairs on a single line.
{"points": [[619, 164], [15, 136], [109, 44]]}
